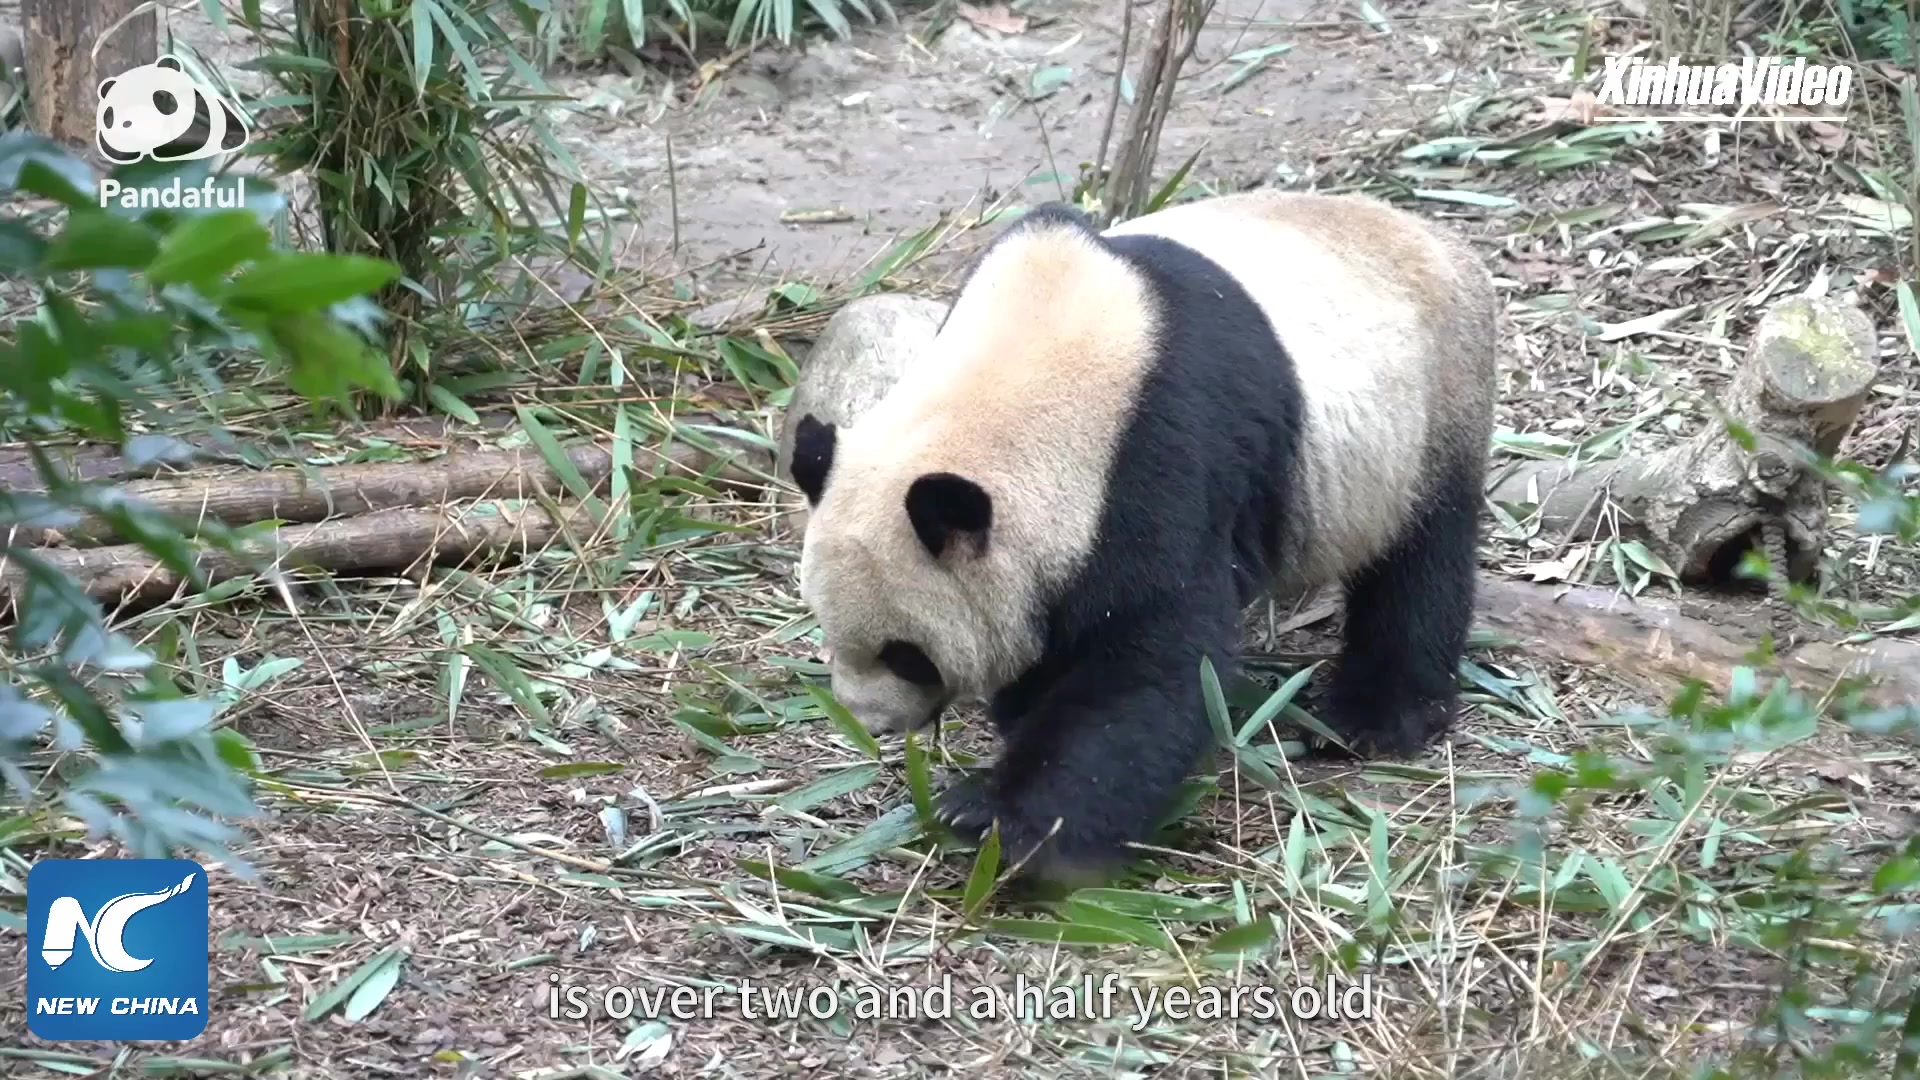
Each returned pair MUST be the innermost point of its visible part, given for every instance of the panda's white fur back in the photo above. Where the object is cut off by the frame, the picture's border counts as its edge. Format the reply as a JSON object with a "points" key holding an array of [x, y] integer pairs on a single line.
{"points": [[1378, 311], [1363, 297]]}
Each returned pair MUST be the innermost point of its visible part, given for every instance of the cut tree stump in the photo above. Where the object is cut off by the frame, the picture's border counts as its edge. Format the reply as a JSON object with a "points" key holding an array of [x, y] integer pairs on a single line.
{"points": [[856, 359], [64, 69], [1701, 504]]}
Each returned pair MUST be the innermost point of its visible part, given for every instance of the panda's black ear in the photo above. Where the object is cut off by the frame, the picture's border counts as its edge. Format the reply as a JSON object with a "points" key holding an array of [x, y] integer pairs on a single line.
{"points": [[950, 514], [813, 443], [169, 62]]}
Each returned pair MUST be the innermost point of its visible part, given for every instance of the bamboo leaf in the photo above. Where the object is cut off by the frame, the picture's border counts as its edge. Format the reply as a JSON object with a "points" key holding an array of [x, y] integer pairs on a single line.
{"points": [[374, 989], [920, 779], [1153, 905], [1059, 933], [511, 679], [448, 402], [1254, 937], [844, 721], [342, 990], [571, 769], [986, 866], [422, 48], [1216, 702], [556, 458], [1271, 707]]}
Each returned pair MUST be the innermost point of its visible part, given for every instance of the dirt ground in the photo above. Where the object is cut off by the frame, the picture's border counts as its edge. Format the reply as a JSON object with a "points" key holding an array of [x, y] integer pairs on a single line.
{"points": [[396, 821], [896, 134], [892, 134]]}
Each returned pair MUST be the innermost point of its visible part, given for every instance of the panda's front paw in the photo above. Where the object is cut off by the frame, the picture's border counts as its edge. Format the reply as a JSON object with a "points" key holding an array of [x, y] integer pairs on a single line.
{"points": [[966, 808], [1392, 729]]}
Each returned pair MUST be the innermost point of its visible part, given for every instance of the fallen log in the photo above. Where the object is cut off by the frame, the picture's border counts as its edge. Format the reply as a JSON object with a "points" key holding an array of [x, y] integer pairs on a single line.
{"points": [[1652, 642], [241, 497], [1641, 640], [391, 540]]}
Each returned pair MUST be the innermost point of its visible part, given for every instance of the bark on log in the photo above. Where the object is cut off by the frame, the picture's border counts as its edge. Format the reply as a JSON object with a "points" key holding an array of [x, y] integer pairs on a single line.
{"points": [[1701, 503], [63, 68], [1653, 642], [392, 540], [243, 497]]}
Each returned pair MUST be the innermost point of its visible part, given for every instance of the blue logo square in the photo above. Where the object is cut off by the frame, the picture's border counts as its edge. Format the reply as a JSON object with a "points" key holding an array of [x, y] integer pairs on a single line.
{"points": [[116, 949]]}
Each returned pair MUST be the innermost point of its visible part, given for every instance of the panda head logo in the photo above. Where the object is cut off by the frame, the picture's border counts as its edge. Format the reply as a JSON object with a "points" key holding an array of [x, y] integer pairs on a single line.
{"points": [[157, 110]]}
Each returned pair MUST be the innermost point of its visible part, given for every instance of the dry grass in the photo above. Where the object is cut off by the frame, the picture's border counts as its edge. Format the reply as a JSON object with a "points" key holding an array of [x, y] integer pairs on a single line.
{"points": [[578, 768]]}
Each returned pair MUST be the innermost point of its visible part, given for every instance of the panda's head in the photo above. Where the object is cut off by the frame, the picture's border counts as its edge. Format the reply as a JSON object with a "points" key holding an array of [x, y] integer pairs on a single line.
{"points": [[899, 567]]}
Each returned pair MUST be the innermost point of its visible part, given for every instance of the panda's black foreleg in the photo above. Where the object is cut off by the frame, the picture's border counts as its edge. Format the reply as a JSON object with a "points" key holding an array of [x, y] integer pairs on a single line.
{"points": [[1407, 618], [1092, 766]]}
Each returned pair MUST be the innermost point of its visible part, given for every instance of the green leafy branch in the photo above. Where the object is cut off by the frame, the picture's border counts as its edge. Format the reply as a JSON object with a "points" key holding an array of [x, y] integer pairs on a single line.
{"points": [[131, 302]]}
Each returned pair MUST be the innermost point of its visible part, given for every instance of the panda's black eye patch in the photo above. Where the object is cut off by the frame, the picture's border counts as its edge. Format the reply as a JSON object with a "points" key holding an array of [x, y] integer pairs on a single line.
{"points": [[165, 103], [908, 662]]}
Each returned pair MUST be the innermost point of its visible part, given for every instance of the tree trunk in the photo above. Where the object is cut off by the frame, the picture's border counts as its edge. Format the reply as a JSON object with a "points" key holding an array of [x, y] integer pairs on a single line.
{"points": [[64, 68], [13, 65]]}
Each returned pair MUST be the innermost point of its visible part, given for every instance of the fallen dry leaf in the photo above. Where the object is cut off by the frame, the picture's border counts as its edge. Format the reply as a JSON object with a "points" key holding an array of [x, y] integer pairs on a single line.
{"points": [[715, 68], [1580, 109], [994, 17], [1830, 136], [1845, 772], [1645, 324], [1561, 569]]}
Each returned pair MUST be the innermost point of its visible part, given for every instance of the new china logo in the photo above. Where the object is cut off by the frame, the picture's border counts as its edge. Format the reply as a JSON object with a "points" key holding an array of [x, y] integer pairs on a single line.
{"points": [[116, 949]]}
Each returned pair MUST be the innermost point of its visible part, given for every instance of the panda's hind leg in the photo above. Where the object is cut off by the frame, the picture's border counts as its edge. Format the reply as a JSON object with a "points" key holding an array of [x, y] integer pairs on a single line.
{"points": [[1408, 613]]}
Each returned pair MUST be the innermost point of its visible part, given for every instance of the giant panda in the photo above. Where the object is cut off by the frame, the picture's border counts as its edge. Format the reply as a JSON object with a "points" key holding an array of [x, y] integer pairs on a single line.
{"points": [[1114, 444]]}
